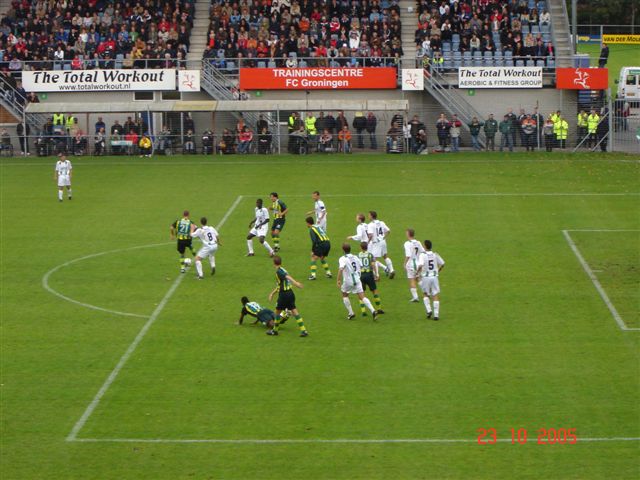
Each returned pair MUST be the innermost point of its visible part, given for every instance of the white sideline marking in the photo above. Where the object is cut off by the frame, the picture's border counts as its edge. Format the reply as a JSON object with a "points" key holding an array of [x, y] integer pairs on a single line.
{"points": [[594, 279], [136, 341], [48, 288], [322, 440]]}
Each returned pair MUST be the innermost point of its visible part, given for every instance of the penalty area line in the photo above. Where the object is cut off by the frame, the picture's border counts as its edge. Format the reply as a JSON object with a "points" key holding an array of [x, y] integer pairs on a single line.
{"points": [[136, 341], [596, 283], [322, 440]]}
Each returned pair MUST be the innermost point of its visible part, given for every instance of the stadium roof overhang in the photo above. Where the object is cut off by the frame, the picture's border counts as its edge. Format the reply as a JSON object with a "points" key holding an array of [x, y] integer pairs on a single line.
{"points": [[217, 106]]}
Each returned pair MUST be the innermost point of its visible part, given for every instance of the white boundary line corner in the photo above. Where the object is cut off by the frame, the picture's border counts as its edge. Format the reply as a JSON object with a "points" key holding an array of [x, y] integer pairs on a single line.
{"points": [[592, 276], [73, 435]]}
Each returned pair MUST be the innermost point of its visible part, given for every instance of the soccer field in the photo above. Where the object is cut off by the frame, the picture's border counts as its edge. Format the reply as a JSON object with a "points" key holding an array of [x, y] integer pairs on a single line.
{"points": [[115, 365]]}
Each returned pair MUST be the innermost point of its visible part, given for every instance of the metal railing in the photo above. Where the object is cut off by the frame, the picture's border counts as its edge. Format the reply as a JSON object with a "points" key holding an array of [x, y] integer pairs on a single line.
{"points": [[15, 103]]}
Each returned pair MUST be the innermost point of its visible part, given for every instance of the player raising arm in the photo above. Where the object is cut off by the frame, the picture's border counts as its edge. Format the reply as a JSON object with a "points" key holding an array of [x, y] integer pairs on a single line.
{"points": [[182, 230], [260, 225], [286, 298], [62, 175], [361, 230], [319, 210], [412, 250], [430, 265], [377, 231], [280, 211], [210, 242], [349, 282]]}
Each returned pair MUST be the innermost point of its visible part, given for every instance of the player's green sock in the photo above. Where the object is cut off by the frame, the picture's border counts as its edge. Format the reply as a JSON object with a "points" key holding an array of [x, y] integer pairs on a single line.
{"points": [[376, 300], [300, 323], [363, 309], [325, 265], [276, 241], [314, 268]]}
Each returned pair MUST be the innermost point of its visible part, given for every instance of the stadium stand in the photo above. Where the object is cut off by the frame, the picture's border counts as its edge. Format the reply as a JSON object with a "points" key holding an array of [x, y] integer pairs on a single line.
{"points": [[306, 33], [57, 35], [485, 33]]}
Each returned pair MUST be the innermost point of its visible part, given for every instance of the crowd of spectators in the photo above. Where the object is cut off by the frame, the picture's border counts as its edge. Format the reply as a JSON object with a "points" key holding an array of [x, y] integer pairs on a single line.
{"points": [[68, 34], [290, 33], [484, 33]]}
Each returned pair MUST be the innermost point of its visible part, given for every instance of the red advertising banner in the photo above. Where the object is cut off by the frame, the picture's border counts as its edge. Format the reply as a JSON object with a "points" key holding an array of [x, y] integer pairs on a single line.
{"points": [[582, 78], [318, 78]]}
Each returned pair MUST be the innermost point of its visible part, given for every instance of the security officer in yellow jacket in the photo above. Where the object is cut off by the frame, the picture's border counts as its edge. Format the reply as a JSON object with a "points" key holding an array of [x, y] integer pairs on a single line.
{"points": [[582, 126], [592, 126], [310, 127], [561, 130]]}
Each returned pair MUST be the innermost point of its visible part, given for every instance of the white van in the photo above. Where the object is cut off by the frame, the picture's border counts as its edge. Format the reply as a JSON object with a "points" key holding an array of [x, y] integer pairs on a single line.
{"points": [[629, 84]]}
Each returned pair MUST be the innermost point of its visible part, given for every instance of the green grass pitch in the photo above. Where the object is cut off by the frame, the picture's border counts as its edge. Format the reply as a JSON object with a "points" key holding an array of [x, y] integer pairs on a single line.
{"points": [[525, 340]]}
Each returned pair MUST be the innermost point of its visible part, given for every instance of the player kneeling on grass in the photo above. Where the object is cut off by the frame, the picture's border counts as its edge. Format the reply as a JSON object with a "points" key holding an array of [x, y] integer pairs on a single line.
{"points": [[286, 299], [320, 247], [263, 315], [429, 266], [210, 242], [349, 282], [259, 226]]}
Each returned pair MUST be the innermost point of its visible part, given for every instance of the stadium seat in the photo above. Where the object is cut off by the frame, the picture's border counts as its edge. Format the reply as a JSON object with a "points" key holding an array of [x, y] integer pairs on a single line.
{"points": [[508, 62], [499, 62], [539, 63], [551, 63], [455, 38], [457, 55], [457, 63], [519, 63], [535, 30], [466, 55], [302, 64], [272, 64], [446, 46], [262, 64]]}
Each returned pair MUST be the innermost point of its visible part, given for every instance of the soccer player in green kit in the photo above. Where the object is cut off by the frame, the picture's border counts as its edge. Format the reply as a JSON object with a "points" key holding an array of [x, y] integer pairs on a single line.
{"points": [[182, 230], [279, 210], [320, 246], [369, 274], [286, 298]]}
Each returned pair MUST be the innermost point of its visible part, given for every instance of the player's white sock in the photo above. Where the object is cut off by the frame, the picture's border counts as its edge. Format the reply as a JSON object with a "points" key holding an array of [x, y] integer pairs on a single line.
{"points": [[427, 304], [347, 305], [199, 268], [212, 261], [389, 264], [69, 193], [268, 247], [250, 245], [436, 308], [414, 293], [59, 194], [367, 303], [381, 265]]}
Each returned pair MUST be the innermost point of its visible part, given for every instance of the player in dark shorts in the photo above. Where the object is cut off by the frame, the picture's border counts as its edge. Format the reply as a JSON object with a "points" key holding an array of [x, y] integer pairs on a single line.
{"points": [[369, 274], [262, 315], [279, 210], [320, 247], [286, 298], [182, 230]]}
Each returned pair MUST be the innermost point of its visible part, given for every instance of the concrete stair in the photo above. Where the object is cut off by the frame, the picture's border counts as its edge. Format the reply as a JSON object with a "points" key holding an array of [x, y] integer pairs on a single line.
{"points": [[409, 18], [4, 7], [199, 33], [6, 117], [561, 33]]}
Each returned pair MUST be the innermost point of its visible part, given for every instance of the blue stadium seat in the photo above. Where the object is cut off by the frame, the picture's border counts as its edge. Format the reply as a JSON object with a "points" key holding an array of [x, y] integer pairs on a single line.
{"points": [[539, 63], [467, 55], [477, 54], [508, 62], [477, 61], [457, 55], [303, 64], [262, 65], [447, 64], [231, 66], [488, 62], [499, 62], [535, 29], [488, 54], [468, 62], [497, 54], [446, 46], [457, 63], [508, 54], [519, 63], [271, 64], [551, 62], [455, 38]]}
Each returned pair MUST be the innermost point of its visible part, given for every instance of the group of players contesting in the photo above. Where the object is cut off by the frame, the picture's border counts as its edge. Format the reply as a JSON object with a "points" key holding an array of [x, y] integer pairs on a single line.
{"points": [[355, 272]]}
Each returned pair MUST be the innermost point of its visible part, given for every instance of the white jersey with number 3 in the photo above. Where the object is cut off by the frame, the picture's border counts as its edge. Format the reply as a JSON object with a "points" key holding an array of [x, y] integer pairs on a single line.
{"points": [[430, 262]]}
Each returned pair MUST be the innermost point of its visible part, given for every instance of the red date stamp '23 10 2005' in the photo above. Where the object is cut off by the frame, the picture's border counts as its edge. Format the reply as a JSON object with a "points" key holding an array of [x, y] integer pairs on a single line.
{"points": [[520, 436]]}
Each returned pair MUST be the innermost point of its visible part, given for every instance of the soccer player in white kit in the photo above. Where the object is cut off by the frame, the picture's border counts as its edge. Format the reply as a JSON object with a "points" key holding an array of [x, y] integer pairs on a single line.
{"points": [[259, 227], [62, 175], [377, 231], [412, 250], [210, 242], [430, 264], [319, 210], [349, 282], [361, 230]]}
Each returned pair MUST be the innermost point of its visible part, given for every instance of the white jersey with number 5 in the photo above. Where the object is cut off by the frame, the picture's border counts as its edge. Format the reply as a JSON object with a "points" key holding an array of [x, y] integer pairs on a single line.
{"points": [[430, 263]]}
